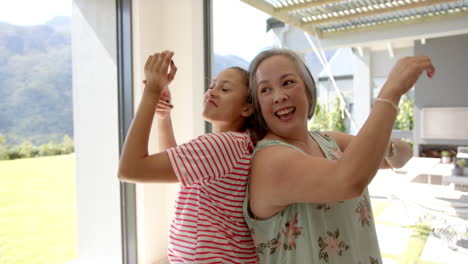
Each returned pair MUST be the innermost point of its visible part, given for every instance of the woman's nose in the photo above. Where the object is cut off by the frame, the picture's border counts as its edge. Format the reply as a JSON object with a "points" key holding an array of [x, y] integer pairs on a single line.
{"points": [[280, 97]]}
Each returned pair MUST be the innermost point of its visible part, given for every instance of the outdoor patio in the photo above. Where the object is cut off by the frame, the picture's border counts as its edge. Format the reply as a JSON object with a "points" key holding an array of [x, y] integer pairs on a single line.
{"points": [[419, 222]]}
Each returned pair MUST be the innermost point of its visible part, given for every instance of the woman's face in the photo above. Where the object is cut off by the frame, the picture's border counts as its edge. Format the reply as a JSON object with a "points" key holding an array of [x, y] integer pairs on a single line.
{"points": [[226, 100], [281, 93]]}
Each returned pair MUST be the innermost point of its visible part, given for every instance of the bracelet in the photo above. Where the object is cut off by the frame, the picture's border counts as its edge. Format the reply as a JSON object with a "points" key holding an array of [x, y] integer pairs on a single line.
{"points": [[389, 102], [393, 150]]}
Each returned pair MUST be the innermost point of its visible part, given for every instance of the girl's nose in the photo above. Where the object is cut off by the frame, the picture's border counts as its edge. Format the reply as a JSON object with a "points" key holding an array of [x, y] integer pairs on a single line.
{"points": [[212, 92]]}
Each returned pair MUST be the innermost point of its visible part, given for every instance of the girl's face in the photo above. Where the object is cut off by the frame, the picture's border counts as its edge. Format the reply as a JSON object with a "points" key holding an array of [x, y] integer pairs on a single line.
{"points": [[281, 93], [226, 100]]}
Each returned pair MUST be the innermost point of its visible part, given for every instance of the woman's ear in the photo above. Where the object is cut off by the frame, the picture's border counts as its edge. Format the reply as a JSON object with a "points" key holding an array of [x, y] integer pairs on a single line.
{"points": [[247, 110]]}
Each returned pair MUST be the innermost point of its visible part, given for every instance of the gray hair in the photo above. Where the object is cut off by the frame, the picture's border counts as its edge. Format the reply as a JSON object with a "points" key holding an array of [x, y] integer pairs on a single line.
{"points": [[303, 71]]}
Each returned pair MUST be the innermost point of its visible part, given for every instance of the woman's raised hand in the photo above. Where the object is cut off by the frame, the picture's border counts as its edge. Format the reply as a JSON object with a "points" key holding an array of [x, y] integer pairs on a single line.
{"points": [[157, 73], [404, 75]]}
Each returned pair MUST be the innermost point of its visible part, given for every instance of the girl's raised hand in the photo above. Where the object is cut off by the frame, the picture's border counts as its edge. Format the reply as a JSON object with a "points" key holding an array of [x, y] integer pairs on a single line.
{"points": [[164, 106], [157, 72], [404, 75]]}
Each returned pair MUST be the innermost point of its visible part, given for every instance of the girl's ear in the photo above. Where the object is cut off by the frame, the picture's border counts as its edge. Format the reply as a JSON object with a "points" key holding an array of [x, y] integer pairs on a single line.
{"points": [[247, 110]]}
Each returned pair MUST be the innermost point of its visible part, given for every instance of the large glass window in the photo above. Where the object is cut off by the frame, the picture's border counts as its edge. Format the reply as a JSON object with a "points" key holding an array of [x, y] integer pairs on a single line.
{"points": [[239, 33], [37, 161], [414, 222]]}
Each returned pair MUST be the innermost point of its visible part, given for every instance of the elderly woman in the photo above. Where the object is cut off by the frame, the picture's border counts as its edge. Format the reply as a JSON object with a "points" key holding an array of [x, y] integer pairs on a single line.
{"points": [[308, 199]]}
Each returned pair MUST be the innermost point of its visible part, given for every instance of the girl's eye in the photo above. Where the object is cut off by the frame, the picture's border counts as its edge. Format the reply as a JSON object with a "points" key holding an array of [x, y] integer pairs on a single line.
{"points": [[212, 84], [225, 89]]}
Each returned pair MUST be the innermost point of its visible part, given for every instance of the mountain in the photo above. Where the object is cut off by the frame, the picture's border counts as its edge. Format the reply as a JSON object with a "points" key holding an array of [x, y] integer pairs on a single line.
{"points": [[223, 62], [36, 82]]}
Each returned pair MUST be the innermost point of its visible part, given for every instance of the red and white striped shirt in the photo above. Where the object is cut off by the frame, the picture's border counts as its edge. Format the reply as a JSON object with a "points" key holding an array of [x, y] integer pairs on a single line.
{"points": [[208, 226]]}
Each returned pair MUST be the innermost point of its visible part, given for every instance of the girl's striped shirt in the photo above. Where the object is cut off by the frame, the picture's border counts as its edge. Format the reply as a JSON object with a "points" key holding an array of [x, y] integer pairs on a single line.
{"points": [[208, 226]]}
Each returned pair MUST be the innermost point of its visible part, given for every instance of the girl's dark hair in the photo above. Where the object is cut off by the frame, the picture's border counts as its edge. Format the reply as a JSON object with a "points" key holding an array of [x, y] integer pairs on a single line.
{"points": [[243, 72]]}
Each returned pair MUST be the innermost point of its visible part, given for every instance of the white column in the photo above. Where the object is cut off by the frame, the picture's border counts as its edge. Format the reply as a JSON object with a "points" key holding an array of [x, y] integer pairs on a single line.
{"points": [[175, 25], [95, 114], [362, 87]]}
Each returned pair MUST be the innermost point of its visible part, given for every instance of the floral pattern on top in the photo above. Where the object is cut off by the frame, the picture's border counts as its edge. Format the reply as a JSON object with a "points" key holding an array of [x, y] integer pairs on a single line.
{"points": [[364, 211], [373, 260], [327, 206], [285, 239], [333, 149], [331, 245]]}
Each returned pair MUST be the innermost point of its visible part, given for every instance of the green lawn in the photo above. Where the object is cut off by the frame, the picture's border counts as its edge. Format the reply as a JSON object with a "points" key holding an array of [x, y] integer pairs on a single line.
{"points": [[37, 210]]}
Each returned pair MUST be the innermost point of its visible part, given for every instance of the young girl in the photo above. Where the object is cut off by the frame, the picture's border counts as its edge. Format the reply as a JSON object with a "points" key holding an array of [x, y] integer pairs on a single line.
{"points": [[208, 226], [307, 200]]}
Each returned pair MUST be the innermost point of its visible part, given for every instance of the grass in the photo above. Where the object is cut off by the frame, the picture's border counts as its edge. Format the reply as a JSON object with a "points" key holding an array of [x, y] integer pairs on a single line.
{"points": [[38, 210], [416, 244]]}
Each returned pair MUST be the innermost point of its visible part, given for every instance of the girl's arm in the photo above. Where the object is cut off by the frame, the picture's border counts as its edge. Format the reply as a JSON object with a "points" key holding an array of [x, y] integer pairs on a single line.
{"points": [[281, 175], [166, 138], [135, 163]]}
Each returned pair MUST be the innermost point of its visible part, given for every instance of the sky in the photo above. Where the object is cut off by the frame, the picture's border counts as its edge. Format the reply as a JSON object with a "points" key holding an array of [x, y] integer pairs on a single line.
{"points": [[238, 28], [33, 12]]}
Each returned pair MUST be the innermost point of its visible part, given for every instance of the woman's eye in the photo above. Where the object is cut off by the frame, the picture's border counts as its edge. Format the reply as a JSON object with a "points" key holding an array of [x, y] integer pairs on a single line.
{"points": [[289, 82], [264, 90]]}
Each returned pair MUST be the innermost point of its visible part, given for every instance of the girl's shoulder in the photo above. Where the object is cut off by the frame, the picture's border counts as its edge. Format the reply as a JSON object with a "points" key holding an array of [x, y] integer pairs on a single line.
{"points": [[240, 139]]}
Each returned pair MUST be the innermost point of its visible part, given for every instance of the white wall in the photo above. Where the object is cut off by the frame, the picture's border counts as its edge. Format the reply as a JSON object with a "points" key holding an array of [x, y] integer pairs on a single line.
{"points": [[174, 25], [382, 63], [96, 131]]}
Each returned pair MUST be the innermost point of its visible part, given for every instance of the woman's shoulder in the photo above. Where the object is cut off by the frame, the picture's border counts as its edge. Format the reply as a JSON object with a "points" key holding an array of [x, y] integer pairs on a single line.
{"points": [[273, 142]]}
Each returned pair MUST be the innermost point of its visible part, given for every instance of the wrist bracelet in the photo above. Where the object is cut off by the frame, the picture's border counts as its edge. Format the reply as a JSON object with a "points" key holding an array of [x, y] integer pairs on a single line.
{"points": [[393, 150], [389, 102]]}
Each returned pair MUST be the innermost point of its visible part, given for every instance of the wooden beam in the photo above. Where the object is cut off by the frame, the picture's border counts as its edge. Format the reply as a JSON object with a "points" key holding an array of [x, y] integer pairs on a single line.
{"points": [[378, 12], [311, 4], [393, 25]]}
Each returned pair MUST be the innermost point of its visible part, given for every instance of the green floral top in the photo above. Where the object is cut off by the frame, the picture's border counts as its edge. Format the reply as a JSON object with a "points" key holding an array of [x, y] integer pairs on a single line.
{"points": [[340, 232]]}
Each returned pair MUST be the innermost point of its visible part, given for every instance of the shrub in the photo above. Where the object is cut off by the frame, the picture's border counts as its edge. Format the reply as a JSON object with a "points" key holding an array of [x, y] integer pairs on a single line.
{"points": [[324, 120]]}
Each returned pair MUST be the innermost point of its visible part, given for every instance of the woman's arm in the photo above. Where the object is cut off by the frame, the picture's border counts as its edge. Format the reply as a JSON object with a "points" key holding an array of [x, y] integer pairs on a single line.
{"points": [[281, 175], [135, 163], [403, 151]]}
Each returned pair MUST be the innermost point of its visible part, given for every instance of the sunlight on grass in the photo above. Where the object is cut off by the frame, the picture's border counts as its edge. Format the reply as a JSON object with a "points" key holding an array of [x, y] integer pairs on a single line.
{"points": [[416, 244], [38, 210]]}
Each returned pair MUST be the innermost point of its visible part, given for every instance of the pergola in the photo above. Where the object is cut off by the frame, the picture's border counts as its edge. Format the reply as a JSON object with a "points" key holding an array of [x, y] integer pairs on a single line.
{"points": [[354, 22], [369, 27]]}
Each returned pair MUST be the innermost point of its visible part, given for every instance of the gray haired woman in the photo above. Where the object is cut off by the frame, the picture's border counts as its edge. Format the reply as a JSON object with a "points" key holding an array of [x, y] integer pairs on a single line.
{"points": [[308, 200]]}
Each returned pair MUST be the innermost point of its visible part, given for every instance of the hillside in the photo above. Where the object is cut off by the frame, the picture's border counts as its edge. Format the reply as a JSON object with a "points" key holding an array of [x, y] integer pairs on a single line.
{"points": [[36, 82]]}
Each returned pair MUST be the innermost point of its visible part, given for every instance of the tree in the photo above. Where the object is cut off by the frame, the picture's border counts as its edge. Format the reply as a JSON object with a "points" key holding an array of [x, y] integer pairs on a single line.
{"points": [[404, 120], [3, 148], [336, 118], [67, 145], [27, 150], [324, 120]]}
